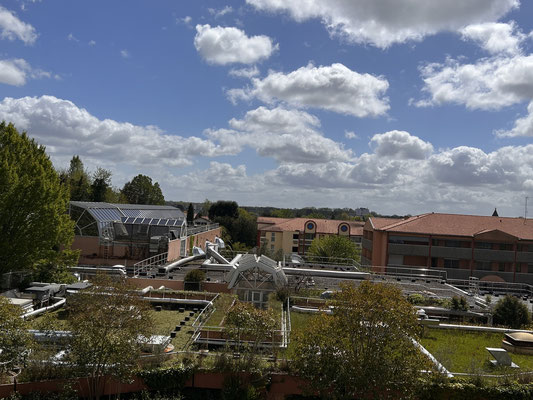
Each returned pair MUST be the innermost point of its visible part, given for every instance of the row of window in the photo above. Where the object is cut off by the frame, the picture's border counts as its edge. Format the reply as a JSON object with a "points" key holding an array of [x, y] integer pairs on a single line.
{"points": [[458, 243], [483, 265]]}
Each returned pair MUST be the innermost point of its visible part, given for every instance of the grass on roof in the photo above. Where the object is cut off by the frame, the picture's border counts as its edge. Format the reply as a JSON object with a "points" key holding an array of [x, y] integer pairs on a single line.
{"points": [[464, 351]]}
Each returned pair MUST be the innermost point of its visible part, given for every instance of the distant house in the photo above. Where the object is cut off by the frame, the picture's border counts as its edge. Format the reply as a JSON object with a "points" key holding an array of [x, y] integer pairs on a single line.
{"points": [[109, 234], [201, 221], [489, 248], [294, 235]]}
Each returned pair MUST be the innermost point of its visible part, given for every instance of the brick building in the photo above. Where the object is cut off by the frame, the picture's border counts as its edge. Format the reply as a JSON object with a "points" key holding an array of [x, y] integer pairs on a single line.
{"points": [[489, 248], [294, 235]]}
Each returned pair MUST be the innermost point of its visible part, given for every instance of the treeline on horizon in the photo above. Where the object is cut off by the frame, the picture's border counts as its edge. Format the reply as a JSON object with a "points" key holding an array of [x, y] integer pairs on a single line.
{"points": [[97, 186]]}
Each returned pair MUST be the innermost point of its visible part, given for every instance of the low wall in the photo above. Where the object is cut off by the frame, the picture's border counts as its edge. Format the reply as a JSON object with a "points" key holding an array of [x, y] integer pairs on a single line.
{"points": [[282, 385]]}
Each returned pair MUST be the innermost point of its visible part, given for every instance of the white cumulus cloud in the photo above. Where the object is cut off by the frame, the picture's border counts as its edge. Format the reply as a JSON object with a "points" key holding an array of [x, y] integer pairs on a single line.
{"points": [[400, 144], [489, 84], [229, 45], [289, 136], [11, 27], [16, 72], [67, 129], [495, 37], [335, 88], [384, 22]]}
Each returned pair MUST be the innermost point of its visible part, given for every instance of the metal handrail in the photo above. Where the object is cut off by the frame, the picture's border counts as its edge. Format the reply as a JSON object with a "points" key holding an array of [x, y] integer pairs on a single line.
{"points": [[150, 262]]}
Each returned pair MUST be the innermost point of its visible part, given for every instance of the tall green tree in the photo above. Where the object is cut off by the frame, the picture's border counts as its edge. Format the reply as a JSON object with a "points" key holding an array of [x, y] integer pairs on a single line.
{"points": [[330, 247], [101, 185], [190, 214], [78, 180], [223, 209], [34, 224], [141, 190], [364, 349]]}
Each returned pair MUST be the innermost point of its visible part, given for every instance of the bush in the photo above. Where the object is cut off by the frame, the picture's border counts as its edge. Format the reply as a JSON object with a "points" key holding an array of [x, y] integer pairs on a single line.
{"points": [[195, 275], [511, 312], [459, 303]]}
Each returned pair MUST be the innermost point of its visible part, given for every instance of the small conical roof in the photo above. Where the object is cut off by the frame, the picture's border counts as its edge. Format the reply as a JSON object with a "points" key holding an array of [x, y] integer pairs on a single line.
{"points": [[495, 213]]}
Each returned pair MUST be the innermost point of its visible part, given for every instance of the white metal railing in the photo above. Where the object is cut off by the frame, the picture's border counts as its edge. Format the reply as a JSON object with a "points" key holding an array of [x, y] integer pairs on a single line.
{"points": [[202, 228], [148, 263]]}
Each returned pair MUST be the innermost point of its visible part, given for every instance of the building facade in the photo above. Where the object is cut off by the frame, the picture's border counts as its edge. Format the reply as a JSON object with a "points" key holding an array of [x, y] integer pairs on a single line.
{"points": [[295, 235], [488, 248], [110, 234]]}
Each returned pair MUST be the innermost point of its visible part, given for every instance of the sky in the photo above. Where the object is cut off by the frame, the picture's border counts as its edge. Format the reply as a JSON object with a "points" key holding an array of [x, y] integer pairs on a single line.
{"points": [[400, 106]]}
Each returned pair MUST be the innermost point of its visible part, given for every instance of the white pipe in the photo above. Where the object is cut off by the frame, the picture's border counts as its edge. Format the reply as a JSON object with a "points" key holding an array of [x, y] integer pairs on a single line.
{"points": [[146, 290], [441, 368], [210, 251], [310, 310], [326, 273], [60, 302], [179, 263], [173, 300]]}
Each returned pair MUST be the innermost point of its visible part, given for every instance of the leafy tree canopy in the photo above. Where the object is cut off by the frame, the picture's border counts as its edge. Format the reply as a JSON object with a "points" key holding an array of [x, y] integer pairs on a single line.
{"points": [[34, 224], [333, 246], [224, 209], [511, 312], [14, 336], [364, 348], [109, 324], [141, 190]]}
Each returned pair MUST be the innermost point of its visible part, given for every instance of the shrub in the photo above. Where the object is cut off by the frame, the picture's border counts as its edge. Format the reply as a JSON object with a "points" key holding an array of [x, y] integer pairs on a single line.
{"points": [[511, 312], [195, 275]]}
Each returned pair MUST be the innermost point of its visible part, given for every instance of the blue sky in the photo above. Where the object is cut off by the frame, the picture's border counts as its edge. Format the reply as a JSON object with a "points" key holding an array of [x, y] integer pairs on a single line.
{"points": [[401, 106]]}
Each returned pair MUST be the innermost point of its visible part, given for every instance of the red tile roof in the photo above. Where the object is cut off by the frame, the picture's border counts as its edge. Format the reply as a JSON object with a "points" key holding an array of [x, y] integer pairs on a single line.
{"points": [[330, 226], [457, 225]]}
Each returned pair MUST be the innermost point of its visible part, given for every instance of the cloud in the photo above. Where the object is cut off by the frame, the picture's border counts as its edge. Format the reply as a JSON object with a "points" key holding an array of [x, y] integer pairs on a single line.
{"points": [[125, 53], [220, 13], [12, 28], [400, 144], [350, 135], [219, 45], [507, 167], [495, 37], [185, 20], [288, 136], [244, 72], [92, 43], [401, 173], [489, 84], [385, 22], [72, 38], [16, 72], [522, 126], [335, 88], [67, 129]]}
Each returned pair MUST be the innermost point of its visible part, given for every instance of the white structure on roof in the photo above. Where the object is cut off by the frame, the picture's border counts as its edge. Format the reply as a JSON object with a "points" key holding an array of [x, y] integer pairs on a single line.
{"points": [[254, 278]]}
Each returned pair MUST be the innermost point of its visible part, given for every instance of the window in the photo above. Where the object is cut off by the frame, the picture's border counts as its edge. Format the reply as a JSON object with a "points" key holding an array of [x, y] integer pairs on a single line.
{"points": [[455, 243], [484, 245], [271, 247], [434, 262], [530, 268], [344, 228], [295, 236], [310, 226], [501, 267], [451, 263], [483, 266], [309, 236], [506, 246], [295, 249], [272, 237]]}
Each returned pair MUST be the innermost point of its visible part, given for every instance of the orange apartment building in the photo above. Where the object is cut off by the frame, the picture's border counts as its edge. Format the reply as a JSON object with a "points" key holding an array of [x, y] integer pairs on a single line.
{"points": [[294, 235], [110, 234], [489, 248]]}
